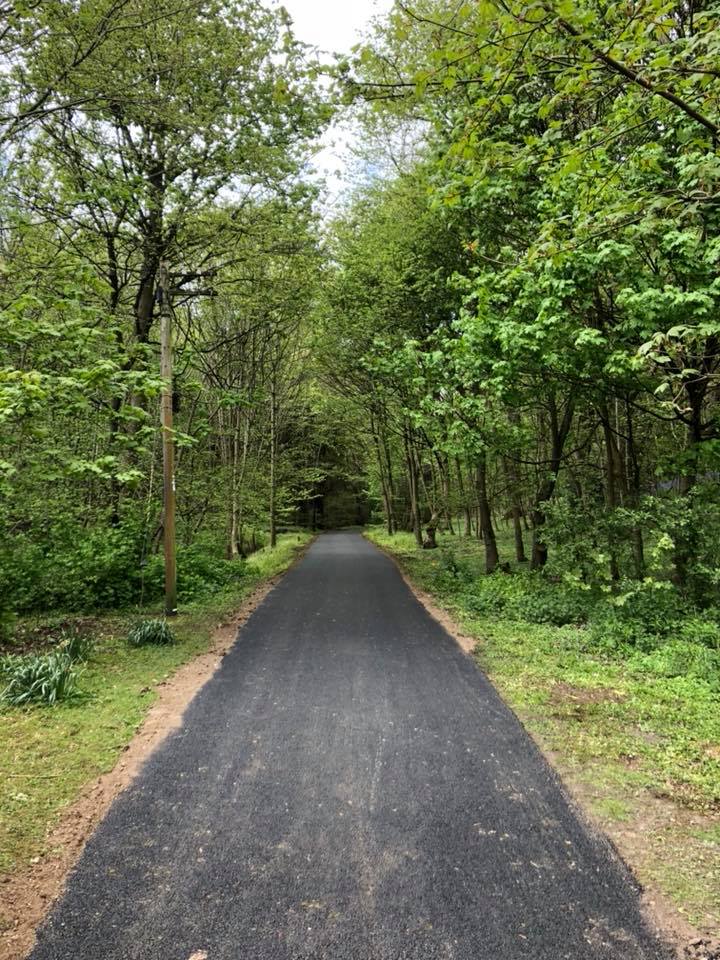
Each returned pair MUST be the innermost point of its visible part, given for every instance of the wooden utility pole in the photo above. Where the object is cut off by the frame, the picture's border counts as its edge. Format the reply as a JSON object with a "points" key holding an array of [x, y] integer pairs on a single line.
{"points": [[166, 419], [273, 457]]}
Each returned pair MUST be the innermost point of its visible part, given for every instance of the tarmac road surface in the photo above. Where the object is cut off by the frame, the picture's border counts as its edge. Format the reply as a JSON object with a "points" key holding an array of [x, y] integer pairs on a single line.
{"points": [[348, 786]]}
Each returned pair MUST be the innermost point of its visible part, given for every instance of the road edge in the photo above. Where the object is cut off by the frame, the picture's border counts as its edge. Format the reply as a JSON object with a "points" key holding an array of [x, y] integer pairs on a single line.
{"points": [[662, 916], [30, 893]]}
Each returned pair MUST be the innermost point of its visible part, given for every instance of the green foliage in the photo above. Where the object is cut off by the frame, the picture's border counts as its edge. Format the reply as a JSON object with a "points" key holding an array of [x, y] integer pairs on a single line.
{"points": [[567, 338], [49, 677], [680, 658], [151, 633], [45, 679], [73, 569], [76, 645], [79, 569], [640, 615], [529, 597], [457, 569], [7, 623], [208, 155]]}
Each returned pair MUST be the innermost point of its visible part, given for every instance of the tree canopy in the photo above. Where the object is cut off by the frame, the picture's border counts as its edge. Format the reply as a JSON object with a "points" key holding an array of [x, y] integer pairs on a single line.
{"points": [[512, 321]]}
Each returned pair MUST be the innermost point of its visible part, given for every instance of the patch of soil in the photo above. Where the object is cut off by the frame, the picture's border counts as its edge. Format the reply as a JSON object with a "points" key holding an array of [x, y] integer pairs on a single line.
{"points": [[579, 701], [43, 636], [561, 692], [28, 894]]}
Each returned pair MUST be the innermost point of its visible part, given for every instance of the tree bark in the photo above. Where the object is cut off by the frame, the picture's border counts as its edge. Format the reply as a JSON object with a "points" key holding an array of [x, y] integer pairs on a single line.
{"points": [[559, 431], [492, 557], [612, 478], [412, 476], [466, 505], [634, 491]]}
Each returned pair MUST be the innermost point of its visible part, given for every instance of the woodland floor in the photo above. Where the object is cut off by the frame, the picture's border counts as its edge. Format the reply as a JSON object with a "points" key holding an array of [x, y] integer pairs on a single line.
{"points": [[347, 785]]}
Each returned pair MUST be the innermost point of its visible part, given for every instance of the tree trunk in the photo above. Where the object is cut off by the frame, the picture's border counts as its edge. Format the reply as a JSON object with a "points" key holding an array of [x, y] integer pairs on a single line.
{"points": [[611, 474], [633, 484], [466, 505], [412, 475], [232, 545], [559, 431], [240, 490], [517, 511], [492, 558], [685, 537], [430, 542], [384, 482], [444, 471]]}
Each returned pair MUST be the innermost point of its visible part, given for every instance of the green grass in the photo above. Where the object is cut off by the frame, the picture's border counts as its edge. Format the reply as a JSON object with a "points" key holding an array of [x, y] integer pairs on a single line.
{"points": [[641, 747], [47, 755]]}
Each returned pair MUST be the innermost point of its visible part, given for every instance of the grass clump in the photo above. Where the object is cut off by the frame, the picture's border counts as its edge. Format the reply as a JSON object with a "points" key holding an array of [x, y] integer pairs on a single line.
{"points": [[151, 633], [47, 678]]}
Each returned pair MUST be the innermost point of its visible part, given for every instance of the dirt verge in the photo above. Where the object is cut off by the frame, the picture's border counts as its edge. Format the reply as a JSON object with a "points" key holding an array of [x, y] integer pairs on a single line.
{"points": [[28, 894]]}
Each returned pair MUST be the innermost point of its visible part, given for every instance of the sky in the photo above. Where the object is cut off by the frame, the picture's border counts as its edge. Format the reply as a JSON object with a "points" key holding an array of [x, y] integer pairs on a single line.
{"points": [[333, 26]]}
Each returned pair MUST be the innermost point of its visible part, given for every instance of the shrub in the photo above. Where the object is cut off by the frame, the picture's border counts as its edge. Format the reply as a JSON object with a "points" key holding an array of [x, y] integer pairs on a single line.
{"points": [[530, 597], [71, 568], [702, 631], [41, 678], [492, 595], [557, 604], [641, 616], [151, 632], [201, 570], [680, 658], [68, 567], [454, 567], [7, 623], [612, 633]]}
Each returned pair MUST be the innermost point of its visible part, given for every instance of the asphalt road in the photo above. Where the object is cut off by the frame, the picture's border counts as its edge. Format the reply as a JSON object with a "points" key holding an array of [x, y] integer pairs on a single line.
{"points": [[348, 786]]}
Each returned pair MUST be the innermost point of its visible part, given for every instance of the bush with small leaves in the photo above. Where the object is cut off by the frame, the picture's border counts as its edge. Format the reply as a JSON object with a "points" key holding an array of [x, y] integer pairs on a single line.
{"points": [[42, 678], [454, 567], [530, 597], [151, 632]]}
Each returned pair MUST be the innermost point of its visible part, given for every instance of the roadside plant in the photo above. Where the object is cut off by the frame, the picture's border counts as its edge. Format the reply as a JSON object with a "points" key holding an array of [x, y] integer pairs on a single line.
{"points": [[76, 646], [41, 679], [151, 633]]}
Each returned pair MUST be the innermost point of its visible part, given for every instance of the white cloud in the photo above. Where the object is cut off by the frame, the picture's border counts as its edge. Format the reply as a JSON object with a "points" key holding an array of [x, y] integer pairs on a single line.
{"points": [[334, 26]]}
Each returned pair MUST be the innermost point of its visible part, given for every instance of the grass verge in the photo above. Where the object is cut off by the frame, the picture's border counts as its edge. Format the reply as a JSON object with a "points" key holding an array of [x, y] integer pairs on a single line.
{"points": [[640, 751], [48, 754]]}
